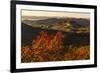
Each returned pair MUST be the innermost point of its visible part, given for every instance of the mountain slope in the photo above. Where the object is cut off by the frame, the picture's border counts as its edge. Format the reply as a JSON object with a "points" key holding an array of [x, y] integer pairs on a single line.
{"points": [[64, 24]]}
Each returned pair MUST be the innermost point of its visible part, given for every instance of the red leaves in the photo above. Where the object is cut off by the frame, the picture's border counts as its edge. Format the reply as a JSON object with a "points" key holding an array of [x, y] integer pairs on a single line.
{"points": [[41, 47], [49, 47], [50, 42]]}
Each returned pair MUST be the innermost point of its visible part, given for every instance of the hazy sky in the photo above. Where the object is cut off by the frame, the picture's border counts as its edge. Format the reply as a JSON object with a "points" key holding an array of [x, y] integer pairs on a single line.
{"points": [[55, 14]]}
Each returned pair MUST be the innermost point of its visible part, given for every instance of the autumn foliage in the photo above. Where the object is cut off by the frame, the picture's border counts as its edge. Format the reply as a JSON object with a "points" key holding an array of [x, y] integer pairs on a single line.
{"points": [[50, 47], [77, 53], [49, 42]]}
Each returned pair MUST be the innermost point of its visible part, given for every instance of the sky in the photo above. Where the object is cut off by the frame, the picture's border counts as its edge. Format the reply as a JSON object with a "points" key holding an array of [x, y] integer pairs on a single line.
{"points": [[55, 14]]}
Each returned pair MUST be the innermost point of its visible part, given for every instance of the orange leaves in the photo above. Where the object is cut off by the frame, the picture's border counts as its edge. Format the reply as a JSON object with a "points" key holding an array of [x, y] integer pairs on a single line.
{"points": [[25, 54], [42, 46], [78, 53], [50, 47], [25, 50], [83, 52], [50, 42]]}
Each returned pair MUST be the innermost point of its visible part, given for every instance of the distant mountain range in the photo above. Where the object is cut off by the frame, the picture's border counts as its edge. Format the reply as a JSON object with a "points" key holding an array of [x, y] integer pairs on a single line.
{"points": [[77, 25]]}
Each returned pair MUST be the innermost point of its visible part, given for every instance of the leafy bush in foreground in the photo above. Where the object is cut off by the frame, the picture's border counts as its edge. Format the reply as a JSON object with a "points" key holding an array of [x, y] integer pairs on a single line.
{"points": [[46, 47]]}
